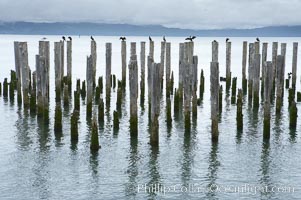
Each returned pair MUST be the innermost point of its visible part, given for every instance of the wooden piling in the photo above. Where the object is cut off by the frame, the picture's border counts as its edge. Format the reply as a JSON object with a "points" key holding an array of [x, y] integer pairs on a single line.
{"points": [[115, 120], [251, 71], [93, 60], [274, 60], [58, 118], [294, 64], [18, 72], [44, 52], [298, 96], [214, 51], [33, 94], [263, 60], [77, 100], [108, 68], [83, 90], [202, 85], [0, 89], [280, 82], [66, 95], [78, 85], [256, 80], [181, 71], [268, 84], [133, 83], [74, 126], [100, 84], [194, 84], [214, 90], [89, 78], [233, 93], [69, 65], [58, 65], [168, 66], [244, 65], [101, 109], [150, 60], [239, 115], [155, 109], [162, 57], [228, 65], [94, 146], [142, 67], [123, 63], [220, 99], [293, 112]]}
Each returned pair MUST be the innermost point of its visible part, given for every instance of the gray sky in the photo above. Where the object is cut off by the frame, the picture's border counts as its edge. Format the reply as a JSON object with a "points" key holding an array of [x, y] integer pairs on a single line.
{"points": [[195, 14]]}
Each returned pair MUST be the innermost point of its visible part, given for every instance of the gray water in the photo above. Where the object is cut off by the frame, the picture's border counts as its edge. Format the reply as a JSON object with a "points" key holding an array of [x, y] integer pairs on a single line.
{"points": [[36, 163]]}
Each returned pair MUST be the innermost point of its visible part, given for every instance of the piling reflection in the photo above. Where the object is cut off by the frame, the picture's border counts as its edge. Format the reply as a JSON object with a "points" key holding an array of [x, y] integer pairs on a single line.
{"points": [[132, 169], [154, 173], [212, 175], [265, 161]]}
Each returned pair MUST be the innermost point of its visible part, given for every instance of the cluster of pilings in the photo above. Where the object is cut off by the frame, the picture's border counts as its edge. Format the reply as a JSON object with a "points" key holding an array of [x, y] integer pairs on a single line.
{"points": [[264, 77]]}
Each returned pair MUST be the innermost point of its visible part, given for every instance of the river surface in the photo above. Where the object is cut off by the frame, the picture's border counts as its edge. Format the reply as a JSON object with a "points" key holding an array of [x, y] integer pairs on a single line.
{"points": [[35, 163]]}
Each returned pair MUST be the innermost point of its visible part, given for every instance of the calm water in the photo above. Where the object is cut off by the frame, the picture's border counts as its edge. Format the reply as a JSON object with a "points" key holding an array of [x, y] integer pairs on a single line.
{"points": [[37, 164]]}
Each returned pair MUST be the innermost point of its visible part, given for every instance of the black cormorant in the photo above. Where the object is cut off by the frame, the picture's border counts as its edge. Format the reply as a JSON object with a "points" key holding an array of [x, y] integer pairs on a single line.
{"points": [[122, 38], [92, 38]]}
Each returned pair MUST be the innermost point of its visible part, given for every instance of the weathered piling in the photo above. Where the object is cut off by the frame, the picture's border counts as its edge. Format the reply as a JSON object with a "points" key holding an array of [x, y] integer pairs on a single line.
{"points": [[244, 65], [58, 65], [228, 65], [62, 56], [181, 71], [274, 60], [78, 85], [11, 91], [257, 47], [233, 93], [239, 115], [18, 72], [142, 67], [0, 89], [108, 68], [291, 96], [150, 60], [114, 81], [155, 109], [101, 111], [283, 52], [214, 89], [76, 100], [298, 96], [250, 71], [83, 90], [123, 63], [115, 120], [268, 85], [162, 57], [168, 112], [100, 84], [167, 71], [171, 83], [66, 95], [33, 94], [214, 51], [93, 60], [74, 126], [202, 85], [44, 52], [293, 112], [58, 118], [24, 69], [69, 65], [280, 80], [94, 145], [89, 78], [133, 83], [119, 99], [294, 64], [256, 80], [97, 95], [194, 75], [220, 99], [5, 88], [263, 60], [42, 70]]}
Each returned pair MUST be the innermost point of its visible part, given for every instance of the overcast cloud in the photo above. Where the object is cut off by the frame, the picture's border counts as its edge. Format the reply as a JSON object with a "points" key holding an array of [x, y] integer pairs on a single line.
{"points": [[194, 14]]}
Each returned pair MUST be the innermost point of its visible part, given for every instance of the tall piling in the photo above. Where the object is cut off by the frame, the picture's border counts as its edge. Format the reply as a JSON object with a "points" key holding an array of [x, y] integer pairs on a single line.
{"points": [[214, 90], [244, 65], [44, 52], [69, 65], [167, 71], [250, 71], [123, 63], [268, 84], [155, 109], [33, 93], [274, 60], [57, 67], [142, 67], [94, 60], [194, 75], [256, 80], [133, 83], [280, 82], [89, 78], [228, 65], [263, 60], [108, 70], [24, 69], [294, 64], [181, 71], [162, 57]]}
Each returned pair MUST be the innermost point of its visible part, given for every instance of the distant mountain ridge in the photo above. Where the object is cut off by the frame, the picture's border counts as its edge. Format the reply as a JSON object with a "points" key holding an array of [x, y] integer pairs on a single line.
{"points": [[64, 28]]}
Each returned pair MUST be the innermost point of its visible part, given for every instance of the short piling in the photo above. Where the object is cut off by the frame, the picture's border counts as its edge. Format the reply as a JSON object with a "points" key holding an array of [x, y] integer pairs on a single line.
{"points": [[239, 115], [268, 85]]}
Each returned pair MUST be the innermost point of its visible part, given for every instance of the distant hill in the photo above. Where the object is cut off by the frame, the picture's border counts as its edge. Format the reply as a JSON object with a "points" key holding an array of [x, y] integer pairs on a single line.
{"points": [[31, 28]]}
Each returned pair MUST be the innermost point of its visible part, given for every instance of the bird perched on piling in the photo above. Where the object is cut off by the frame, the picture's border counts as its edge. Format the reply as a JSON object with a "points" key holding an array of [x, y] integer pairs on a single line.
{"points": [[257, 39], [122, 38], [70, 38], [44, 38], [64, 39], [214, 41], [150, 39], [164, 40], [92, 38], [227, 39], [191, 38]]}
